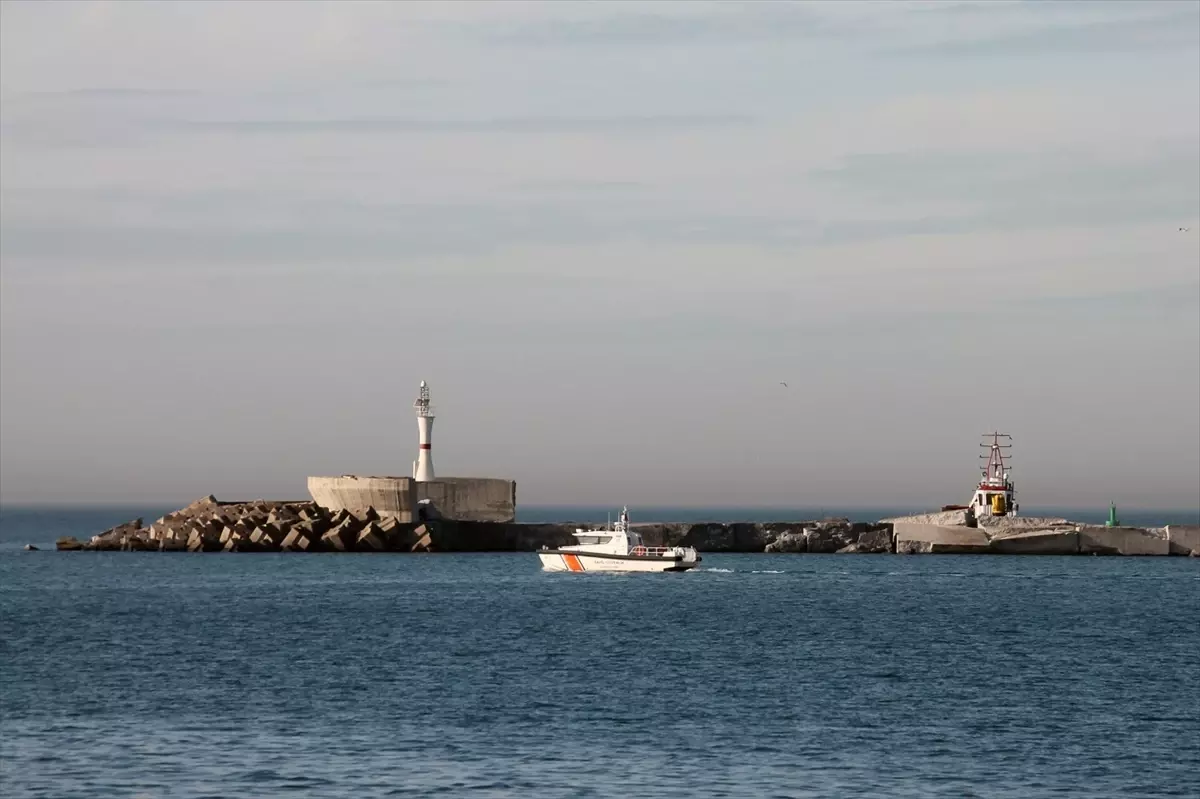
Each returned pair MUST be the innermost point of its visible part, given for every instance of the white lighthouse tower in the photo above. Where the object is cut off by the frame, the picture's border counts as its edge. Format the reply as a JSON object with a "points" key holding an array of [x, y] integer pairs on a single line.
{"points": [[423, 465]]}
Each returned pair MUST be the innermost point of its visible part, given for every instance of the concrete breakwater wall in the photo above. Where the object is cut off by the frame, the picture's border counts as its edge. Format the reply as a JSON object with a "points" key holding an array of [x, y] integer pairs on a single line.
{"points": [[208, 525], [948, 533], [476, 499]]}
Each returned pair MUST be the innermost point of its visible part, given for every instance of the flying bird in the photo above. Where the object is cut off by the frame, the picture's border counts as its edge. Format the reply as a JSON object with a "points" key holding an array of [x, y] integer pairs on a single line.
{"points": [[1185, 229], [785, 385]]}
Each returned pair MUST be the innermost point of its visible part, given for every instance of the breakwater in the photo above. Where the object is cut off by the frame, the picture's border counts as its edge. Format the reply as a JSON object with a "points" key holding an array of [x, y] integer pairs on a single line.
{"points": [[209, 525]]}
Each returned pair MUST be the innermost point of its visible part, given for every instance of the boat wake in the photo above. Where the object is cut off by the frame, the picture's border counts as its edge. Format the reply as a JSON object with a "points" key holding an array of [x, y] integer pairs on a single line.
{"points": [[751, 571]]}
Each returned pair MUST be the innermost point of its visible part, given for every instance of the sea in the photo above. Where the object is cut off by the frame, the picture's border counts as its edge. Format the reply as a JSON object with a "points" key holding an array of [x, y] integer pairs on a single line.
{"points": [[146, 675]]}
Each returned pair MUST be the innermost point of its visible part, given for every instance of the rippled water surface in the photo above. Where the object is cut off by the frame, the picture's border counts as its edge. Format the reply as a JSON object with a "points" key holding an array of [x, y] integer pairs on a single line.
{"points": [[158, 675]]}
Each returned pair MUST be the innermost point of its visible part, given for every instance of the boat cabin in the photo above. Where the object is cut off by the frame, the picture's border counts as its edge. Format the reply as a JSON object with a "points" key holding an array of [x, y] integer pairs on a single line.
{"points": [[994, 500], [616, 539]]}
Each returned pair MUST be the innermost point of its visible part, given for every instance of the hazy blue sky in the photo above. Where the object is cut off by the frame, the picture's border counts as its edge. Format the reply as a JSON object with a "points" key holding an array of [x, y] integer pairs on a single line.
{"points": [[235, 236]]}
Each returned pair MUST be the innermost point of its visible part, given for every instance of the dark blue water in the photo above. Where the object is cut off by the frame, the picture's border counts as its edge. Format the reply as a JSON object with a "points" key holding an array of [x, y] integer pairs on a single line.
{"points": [[153, 675]]}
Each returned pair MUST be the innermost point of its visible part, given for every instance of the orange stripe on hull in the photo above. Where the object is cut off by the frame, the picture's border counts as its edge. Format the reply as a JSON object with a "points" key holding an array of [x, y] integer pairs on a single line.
{"points": [[573, 563]]}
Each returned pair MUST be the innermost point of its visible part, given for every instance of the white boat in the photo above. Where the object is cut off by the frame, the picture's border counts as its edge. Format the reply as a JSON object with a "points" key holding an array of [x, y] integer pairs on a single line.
{"points": [[616, 549]]}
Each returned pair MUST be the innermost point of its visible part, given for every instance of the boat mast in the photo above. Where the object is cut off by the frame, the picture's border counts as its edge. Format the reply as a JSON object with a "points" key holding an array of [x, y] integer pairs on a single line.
{"points": [[996, 471]]}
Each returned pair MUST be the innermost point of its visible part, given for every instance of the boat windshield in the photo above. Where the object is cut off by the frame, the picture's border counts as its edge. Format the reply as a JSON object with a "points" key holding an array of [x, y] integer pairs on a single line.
{"points": [[593, 539]]}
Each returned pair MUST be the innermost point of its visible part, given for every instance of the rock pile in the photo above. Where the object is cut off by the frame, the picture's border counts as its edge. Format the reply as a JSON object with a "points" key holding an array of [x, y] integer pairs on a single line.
{"points": [[833, 536], [260, 526], [819, 536]]}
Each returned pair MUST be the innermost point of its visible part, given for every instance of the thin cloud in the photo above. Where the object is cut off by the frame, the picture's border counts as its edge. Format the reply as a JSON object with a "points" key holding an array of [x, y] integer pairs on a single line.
{"points": [[535, 125], [717, 23], [1172, 168], [89, 93], [568, 185], [1178, 30]]}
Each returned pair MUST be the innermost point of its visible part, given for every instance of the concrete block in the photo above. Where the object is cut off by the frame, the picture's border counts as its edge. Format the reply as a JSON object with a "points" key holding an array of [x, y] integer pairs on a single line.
{"points": [[875, 541], [261, 537], [334, 541], [246, 524], [953, 518], [207, 504], [297, 540], [1183, 539], [915, 538], [341, 538], [1038, 542], [824, 540], [371, 539], [138, 543], [788, 542], [238, 542], [397, 536], [318, 526], [424, 539], [1120, 541], [283, 514]]}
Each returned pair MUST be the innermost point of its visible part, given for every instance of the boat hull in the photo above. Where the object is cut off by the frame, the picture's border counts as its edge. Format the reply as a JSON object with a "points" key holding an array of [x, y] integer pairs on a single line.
{"points": [[556, 560]]}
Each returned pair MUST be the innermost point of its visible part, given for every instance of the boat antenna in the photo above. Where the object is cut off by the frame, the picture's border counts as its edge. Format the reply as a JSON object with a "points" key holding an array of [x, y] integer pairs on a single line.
{"points": [[996, 466]]}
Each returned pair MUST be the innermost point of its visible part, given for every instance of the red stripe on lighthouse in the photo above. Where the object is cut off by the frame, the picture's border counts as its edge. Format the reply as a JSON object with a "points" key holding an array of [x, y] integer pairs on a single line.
{"points": [[426, 446]]}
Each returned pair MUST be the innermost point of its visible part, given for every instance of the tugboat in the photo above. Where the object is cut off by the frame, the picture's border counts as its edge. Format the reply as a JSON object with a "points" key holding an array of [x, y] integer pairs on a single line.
{"points": [[616, 549], [996, 494]]}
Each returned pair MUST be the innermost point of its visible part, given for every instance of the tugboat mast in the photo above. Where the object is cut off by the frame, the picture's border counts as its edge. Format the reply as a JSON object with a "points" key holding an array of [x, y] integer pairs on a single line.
{"points": [[995, 471]]}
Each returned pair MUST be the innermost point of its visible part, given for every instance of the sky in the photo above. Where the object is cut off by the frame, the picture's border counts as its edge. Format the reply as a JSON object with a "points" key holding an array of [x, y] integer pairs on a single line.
{"points": [[235, 236]]}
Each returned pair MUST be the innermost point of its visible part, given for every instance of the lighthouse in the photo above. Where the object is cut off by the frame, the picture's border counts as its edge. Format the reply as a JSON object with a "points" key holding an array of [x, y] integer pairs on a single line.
{"points": [[423, 465]]}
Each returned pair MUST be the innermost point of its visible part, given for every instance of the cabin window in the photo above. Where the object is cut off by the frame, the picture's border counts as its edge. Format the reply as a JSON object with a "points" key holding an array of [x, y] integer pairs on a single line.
{"points": [[593, 539]]}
